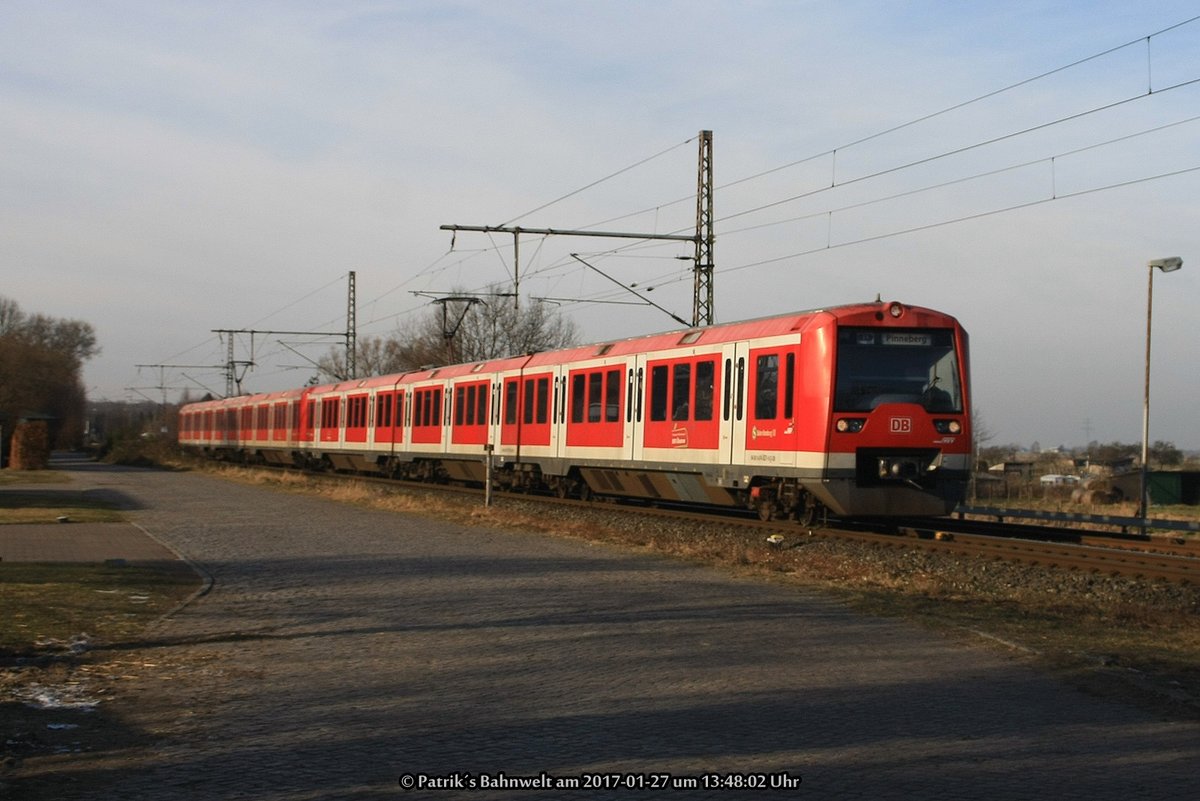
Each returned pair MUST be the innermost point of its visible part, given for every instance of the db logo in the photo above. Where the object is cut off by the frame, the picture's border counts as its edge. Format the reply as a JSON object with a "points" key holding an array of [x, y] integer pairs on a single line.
{"points": [[901, 425]]}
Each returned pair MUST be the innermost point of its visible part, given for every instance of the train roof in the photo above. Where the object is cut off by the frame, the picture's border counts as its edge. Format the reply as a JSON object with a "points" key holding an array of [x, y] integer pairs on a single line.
{"points": [[870, 313], [769, 326]]}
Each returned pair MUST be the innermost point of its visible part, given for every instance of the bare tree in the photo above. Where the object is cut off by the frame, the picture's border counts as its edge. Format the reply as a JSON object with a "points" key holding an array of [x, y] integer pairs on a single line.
{"points": [[458, 331]]}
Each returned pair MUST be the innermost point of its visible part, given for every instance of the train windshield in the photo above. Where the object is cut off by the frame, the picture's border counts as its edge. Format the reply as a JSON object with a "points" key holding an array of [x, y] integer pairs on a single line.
{"points": [[877, 366]]}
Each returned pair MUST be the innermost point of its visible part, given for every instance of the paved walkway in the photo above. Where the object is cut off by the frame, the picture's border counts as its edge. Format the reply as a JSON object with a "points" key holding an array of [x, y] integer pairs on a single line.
{"points": [[81, 542], [342, 649]]}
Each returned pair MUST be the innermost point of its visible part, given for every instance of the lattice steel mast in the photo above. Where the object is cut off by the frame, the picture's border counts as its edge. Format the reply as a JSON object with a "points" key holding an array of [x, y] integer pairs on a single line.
{"points": [[702, 298]]}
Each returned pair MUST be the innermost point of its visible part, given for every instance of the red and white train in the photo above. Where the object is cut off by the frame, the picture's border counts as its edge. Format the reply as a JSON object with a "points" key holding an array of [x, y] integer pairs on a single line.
{"points": [[860, 409]]}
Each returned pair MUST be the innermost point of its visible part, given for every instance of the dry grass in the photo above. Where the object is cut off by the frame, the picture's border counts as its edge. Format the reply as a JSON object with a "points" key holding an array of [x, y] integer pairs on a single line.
{"points": [[46, 607], [8, 477]]}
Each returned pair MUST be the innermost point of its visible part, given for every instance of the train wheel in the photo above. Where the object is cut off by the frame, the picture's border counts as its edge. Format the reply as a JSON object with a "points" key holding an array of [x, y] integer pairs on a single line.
{"points": [[766, 510], [806, 511]]}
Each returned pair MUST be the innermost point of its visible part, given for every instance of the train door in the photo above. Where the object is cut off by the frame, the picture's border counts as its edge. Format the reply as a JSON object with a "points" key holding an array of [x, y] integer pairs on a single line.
{"points": [[764, 384], [634, 372], [636, 411], [733, 401]]}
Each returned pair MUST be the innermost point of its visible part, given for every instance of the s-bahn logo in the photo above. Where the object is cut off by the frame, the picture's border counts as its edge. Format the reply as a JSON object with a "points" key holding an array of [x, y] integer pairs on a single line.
{"points": [[901, 425]]}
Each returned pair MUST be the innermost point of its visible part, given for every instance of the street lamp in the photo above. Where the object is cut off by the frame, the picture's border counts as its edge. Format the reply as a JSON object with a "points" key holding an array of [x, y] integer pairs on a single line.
{"points": [[1167, 265]]}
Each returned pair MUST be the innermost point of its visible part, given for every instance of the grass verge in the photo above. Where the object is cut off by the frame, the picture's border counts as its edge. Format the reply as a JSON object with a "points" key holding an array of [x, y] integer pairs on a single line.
{"points": [[52, 616], [32, 496], [49, 610]]}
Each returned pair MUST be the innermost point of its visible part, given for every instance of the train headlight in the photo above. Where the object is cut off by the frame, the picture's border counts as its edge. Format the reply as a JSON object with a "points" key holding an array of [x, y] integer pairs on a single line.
{"points": [[850, 425], [947, 426], [895, 309]]}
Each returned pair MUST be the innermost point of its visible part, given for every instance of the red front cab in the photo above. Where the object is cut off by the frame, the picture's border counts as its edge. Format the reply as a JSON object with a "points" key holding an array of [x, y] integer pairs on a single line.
{"points": [[899, 429]]}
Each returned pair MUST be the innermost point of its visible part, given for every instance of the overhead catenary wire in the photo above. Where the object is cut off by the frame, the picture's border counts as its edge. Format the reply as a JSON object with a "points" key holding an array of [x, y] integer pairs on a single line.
{"points": [[439, 266], [1150, 91]]}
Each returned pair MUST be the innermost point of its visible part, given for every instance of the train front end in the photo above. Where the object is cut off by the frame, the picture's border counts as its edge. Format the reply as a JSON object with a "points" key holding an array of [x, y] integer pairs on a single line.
{"points": [[900, 426]]}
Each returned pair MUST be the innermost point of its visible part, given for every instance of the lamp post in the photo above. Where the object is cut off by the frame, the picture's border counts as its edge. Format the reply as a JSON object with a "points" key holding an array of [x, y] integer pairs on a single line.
{"points": [[1167, 265]]}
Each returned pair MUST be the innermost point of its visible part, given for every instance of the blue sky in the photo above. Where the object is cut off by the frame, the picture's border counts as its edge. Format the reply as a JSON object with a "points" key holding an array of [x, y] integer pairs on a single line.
{"points": [[169, 168]]}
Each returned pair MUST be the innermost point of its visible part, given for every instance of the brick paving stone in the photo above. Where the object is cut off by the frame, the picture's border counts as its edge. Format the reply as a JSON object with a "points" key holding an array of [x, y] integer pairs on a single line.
{"points": [[342, 648]]}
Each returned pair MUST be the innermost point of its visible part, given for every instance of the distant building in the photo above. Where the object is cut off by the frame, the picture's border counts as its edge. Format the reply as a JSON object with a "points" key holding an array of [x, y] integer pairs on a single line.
{"points": [[1014, 469]]}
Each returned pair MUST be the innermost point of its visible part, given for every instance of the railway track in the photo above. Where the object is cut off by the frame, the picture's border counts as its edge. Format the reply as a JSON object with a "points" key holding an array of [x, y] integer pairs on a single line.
{"points": [[1089, 555], [1166, 559]]}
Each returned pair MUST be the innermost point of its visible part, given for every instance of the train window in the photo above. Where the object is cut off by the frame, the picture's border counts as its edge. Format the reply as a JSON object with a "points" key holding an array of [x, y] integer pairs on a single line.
{"points": [[472, 403], [728, 389], [638, 393], [510, 402], [578, 397], [543, 401], [528, 417], [704, 390], [681, 390], [629, 398], [741, 388], [383, 410], [329, 412], [356, 411], [481, 407], [612, 396], [877, 366], [789, 385], [658, 392], [427, 407], [595, 393], [766, 387]]}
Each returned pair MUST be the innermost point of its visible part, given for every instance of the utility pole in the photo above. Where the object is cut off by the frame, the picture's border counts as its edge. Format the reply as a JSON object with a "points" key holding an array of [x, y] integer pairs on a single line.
{"points": [[702, 297], [351, 330]]}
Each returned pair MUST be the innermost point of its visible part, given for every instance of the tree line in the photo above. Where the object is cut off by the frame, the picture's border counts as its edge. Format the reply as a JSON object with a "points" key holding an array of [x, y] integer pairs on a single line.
{"points": [[41, 371]]}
